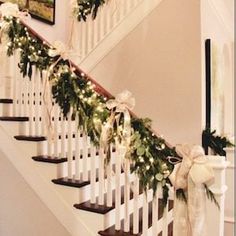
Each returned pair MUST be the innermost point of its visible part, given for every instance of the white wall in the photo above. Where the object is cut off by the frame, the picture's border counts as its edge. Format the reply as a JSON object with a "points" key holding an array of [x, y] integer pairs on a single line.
{"points": [[21, 212], [160, 63]]}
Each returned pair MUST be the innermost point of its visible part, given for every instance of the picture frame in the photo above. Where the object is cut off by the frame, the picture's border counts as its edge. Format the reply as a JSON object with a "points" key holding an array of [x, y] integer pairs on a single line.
{"points": [[43, 10]]}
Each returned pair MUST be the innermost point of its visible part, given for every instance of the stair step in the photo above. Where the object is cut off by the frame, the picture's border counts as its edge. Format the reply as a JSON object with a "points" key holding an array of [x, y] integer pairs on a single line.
{"points": [[49, 159], [96, 208], [30, 138], [14, 118], [6, 101], [65, 181], [77, 183], [112, 232], [102, 209]]}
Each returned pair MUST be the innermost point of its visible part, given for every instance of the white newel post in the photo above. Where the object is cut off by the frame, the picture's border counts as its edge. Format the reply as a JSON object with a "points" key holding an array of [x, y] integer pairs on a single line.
{"points": [[215, 216], [229, 197]]}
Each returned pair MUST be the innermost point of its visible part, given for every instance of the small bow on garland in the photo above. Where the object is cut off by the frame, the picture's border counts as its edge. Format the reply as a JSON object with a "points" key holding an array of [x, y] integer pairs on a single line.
{"points": [[191, 175], [119, 106], [10, 10]]}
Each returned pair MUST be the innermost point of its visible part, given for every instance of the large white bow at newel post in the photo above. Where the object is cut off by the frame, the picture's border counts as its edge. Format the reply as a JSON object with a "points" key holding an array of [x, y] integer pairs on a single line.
{"points": [[191, 175]]}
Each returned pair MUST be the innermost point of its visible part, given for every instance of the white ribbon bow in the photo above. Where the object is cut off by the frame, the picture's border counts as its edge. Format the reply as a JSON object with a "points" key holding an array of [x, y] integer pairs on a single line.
{"points": [[10, 9], [191, 175], [120, 105], [123, 102], [59, 49]]}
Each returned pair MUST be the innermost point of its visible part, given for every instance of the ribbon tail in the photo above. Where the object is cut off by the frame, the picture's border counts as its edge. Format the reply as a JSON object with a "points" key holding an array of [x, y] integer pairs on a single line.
{"points": [[127, 128], [196, 208], [181, 226], [47, 99]]}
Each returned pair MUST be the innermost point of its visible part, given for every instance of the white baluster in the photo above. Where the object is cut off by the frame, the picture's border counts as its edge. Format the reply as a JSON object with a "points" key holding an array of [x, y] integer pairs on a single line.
{"points": [[109, 180], [85, 157], [108, 18], [77, 149], [165, 221], [145, 215], [93, 175], [83, 39], [32, 101], [69, 148], [136, 207], [50, 144], [89, 35], [118, 188], [56, 111], [63, 138], [101, 177], [37, 101], [15, 83], [127, 196], [101, 25], [154, 214]]}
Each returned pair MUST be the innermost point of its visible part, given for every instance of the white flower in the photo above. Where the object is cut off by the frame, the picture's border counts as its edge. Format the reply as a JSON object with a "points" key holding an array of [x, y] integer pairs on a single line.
{"points": [[9, 9]]}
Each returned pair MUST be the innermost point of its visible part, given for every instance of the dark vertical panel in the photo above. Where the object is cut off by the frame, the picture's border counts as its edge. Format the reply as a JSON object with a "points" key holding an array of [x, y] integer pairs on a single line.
{"points": [[208, 92], [208, 82]]}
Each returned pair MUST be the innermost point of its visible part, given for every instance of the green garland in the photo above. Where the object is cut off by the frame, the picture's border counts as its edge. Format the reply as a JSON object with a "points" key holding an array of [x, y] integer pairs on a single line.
{"points": [[85, 8], [71, 89], [215, 142]]}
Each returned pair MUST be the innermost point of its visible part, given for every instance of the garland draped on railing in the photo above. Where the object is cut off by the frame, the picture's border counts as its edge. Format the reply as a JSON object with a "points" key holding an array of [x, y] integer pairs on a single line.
{"points": [[84, 8], [73, 90]]}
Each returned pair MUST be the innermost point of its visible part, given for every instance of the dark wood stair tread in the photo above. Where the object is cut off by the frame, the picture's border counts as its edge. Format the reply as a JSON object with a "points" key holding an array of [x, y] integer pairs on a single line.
{"points": [[14, 118], [103, 209], [65, 181], [49, 159], [76, 183], [6, 100], [96, 208], [113, 232], [30, 138]]}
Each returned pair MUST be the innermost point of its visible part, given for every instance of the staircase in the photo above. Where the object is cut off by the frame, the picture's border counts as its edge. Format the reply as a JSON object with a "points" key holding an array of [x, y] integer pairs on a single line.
{"points": [[65, 169], [56, 157]]}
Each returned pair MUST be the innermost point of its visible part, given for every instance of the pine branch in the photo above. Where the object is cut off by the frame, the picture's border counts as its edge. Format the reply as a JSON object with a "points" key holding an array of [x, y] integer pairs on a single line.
{"points": [[211, 196], [180, 194]]}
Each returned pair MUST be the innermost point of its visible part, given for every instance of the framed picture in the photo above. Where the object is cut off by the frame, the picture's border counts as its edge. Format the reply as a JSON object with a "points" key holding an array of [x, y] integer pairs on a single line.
{"points": [[43, 10]]}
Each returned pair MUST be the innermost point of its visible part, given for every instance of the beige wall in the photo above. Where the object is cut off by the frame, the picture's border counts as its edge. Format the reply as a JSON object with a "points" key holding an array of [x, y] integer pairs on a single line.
{"points": [[21, 212], [160, 63]]}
